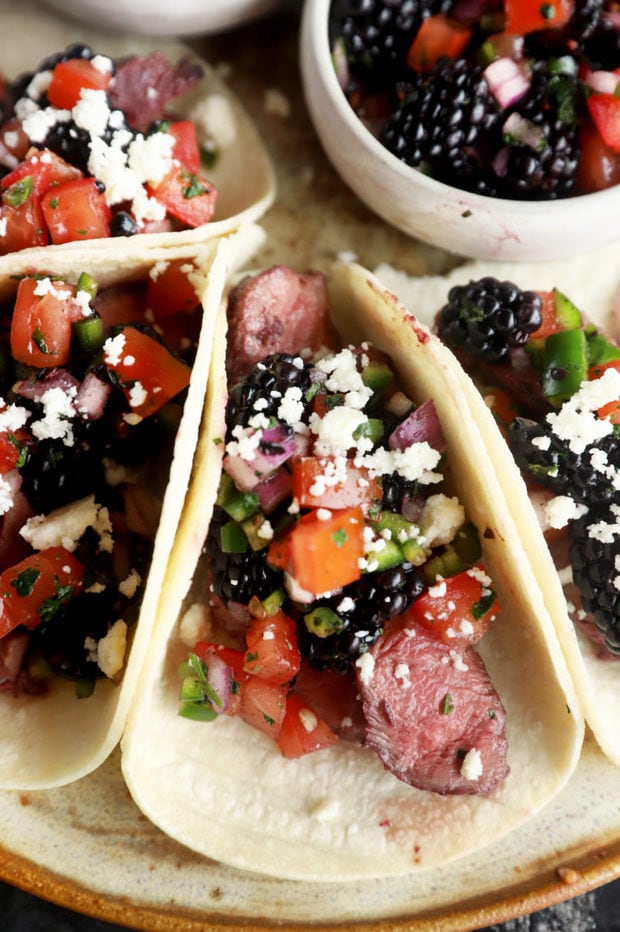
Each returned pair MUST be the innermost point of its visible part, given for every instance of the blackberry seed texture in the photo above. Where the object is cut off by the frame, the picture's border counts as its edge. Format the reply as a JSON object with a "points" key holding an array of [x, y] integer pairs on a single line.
{"points": [[376, 598], [486, 318], [561, 470], [377, 35], [442, 123], [236, 577], [267, 381], [594, 565]]}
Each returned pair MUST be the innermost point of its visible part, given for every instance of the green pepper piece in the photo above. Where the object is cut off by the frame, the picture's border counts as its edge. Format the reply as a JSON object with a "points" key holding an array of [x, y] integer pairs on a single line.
{"points": [[568, 314], [565, 365], [232, 538], [323, 622], [19, 192], [240, 505], [88, 284], [600, 349], [90, 333]]}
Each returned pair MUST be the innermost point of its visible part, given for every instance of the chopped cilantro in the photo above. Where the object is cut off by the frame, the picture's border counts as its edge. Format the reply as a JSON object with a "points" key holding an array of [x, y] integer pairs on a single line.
{"points": [[447, 706], [480, 608], [39, 341], [48, 609], [194, 187], [340, 537], [25, 581]]}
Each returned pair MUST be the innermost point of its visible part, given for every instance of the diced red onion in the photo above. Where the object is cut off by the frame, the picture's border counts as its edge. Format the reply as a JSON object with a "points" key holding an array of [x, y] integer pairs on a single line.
{"points": [[241, 472], [92, 397], [506, 81], [411, 508], [421, 425], [500, 162], [274, 490], [34, 388], [603, 82], [468, 11], [523, 131], [219, 678]]}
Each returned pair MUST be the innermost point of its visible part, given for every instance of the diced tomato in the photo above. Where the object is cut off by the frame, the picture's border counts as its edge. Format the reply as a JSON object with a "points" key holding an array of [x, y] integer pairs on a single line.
{"points": [[605, 112], [599, 165], [23, 226], [456, 608], [33, 589], [263, 705], [271, 649], [311, 492], [610, 411], [438, 36], [70, 77], [595, 372], [550, 323], [185, 149], [76, 210], [150, 375], [322, 552], [11, 448], [302, 730], [171, 290], [187, 196], [41, 323], [503, 407], [45, 168], [523, 16]]}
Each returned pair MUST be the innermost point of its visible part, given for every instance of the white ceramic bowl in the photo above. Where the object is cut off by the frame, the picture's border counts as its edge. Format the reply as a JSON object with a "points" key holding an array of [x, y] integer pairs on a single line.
{"points": [[467, 224], [165, 17]]}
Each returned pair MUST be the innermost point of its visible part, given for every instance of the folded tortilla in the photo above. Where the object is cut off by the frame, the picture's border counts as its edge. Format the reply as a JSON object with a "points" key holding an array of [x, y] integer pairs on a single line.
{"points": [[224, 790], [592, 282], [30, 33], [55, 738]]}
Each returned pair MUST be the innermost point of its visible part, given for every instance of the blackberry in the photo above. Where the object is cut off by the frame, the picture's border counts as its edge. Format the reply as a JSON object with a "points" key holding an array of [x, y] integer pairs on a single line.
{"points": [[396, 490], [123, 224], [546, 169], [377, 35], [236, 577], [594, 564], [55, 474], [267, 382], [376, 598], [561, 470], [61, 638], [487, 317], [602, 48], [442, 123]]}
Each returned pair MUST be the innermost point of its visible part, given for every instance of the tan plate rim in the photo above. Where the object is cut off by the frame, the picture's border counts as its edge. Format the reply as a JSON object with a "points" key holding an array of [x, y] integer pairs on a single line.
{"points": [[593, 869]]}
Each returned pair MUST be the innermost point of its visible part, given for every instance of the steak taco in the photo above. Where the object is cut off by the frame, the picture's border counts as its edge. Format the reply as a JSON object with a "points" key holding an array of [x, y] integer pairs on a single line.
{"points": [[99, 146], [539, 343], [103, 377], [378, 683]]}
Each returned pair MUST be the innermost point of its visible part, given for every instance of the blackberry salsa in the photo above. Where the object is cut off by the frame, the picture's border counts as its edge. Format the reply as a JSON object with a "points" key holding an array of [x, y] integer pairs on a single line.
{"points": [[552, 380], [332, 530], [92, 384], [90, 148], [513, 99]]}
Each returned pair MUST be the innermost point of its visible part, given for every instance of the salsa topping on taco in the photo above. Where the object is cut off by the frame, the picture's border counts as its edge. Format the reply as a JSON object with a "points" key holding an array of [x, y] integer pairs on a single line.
{"points": [[91, 387], [346, 588], [89, 148], [553, 382]]}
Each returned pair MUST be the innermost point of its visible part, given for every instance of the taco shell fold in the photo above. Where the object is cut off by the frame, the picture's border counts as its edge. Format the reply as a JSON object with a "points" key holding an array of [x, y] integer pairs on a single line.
{"points": [[224, 790]]}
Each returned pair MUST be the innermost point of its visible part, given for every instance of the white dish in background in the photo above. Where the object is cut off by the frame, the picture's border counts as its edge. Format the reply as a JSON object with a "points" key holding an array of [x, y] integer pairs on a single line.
{"points": [[165, 17], [464, 223]]}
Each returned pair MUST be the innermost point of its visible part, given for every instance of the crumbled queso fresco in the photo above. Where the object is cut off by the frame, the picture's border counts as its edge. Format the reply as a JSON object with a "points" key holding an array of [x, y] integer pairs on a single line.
{"points": [[124, 164]]}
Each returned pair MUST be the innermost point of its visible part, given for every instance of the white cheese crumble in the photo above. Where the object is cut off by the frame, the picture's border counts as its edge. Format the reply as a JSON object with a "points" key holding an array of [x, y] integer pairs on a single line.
{"points": [[576, 421], [130, 585], [441, 518], [560, 510], [6, 496], [195, 625], [64, 526], [113, 350], [472, 768], [109, 652], [58, 410], [366, 665]]}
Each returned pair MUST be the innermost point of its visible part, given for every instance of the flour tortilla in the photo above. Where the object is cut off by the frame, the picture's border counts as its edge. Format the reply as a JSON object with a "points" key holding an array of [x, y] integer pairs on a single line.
{"points": [[224, 790], [54, 739], [592, 282], [243, 174]]}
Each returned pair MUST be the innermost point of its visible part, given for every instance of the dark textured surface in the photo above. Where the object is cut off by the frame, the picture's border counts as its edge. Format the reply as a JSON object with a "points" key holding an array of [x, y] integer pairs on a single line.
{"points": [[598, 911]]}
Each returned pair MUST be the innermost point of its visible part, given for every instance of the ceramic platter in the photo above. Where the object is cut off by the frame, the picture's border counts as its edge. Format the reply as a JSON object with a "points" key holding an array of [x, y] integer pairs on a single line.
{"points": [[86, 846]]}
